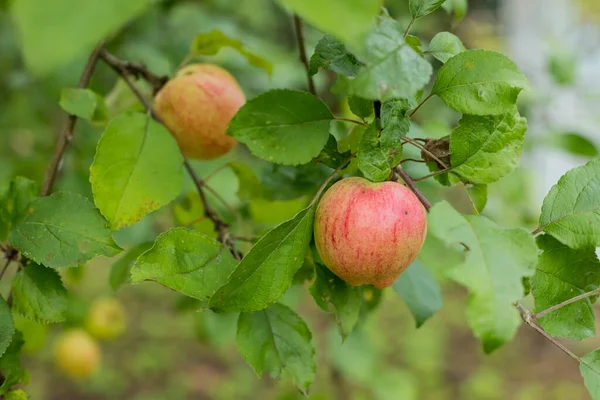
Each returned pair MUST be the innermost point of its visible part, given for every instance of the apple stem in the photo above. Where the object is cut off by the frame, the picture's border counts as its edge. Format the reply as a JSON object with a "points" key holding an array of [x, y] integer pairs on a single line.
{"points": [[413, 187]]}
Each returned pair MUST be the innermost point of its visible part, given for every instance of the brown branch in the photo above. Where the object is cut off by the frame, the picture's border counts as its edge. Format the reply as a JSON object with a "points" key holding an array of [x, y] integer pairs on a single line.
{"points": [[418, 160], [566, 303], [137, 70], [418, 145], [303, 57], [66, 135], [411, 185], [121, 67]]}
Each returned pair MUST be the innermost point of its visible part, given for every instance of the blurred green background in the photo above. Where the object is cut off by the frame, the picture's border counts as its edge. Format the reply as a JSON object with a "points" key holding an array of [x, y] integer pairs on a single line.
{"points": [[170, 351]]}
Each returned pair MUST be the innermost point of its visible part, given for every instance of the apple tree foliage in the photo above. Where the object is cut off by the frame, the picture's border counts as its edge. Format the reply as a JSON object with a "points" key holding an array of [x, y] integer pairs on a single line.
{"points": [[386, 75]]}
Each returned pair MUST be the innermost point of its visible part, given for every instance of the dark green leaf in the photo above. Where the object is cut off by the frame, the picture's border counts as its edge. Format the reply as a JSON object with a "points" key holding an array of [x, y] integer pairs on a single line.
{"points": [[39, 294], [7, 326], [187, 262], [330, 155], [275, 339], [360, 107], [249, 186], [571, 210], [63, 230], [479, 82], [573, 143], [563, 273], [420, 292], [283, 126], [393, 69], [211, 42], [267, 271], [444, 46], [120, 271], [332, 55], [10, 364], [420, 8], [14, 202], [137, 169], [347, 300]]}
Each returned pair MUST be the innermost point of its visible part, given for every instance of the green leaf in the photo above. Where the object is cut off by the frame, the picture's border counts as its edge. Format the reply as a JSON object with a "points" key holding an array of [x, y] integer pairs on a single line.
{"points": [[393, 69], [283, 126], [330, 155], [121, 269], [458, 8], [40, 26], [138, 168], [14, 202], [187, 262], [571, 210], [420, 292], [562, 65], [444, 46], [478, 195], [380, 151], [360, 107], [250, 186], [420, 8], [10, 364], [267, 271], [18, 394], [275, 339], [82, 103], [415, 43], [39, 294], [485, 149], [479, 82], [347, 300], [573, 143], [274, 212], [332, 55], [590, 371], [497, 260], [211, 42], [189, 211], [7, 326], [63, 230], [357, 17], [563, 273]]}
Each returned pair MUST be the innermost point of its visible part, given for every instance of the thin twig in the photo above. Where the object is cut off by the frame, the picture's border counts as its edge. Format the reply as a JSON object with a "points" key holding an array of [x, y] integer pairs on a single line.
{"points": [[413, 112], [137, 70], [303, 57], [8, 261], [436, 173], [418, 145], [410, 24], [329, 178], [411, 159], [66, 135], [537, 230], [214, 172], [354, 121], [411, 185], [566, 303], [220, 226]]}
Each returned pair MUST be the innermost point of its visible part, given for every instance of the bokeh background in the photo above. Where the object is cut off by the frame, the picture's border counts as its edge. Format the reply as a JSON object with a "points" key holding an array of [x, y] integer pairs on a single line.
{"points": [[170, 351]]}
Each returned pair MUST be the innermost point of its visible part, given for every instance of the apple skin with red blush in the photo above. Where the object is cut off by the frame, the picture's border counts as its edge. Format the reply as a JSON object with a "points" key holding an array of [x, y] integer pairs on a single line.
{"points": [[369, 233]]}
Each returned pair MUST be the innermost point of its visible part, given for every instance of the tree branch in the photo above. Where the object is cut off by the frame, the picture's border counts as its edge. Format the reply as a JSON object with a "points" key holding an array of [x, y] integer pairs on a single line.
{"points": [[303, 57], [411, 185], [222, 228], [418, 145], [137, 70], [566, 303], [66, 135]]}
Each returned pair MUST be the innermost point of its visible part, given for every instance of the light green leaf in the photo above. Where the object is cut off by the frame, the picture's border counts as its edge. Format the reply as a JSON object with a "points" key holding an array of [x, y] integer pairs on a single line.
{"points": [[479, 82], [275, 339], [39, 294], [393, 69], [283, 126], [14, 202], [267, 271], [347, 300], [332, 55], [138, 168], [330, 155], [444, 46], [497, 261], [478, 195], [357, 17], [484, 149], [18, 394], [458, 8], [189, 211], [573, 143], [420, 291], [187, 262], [82, 103], [120, 271], [562, 65], [63, 230], [7, 326], [590, 371], [211, 42], [420, 8], [563, 273], [249, 186], [571, 210], [415, 43], [10, 363], [271, 212], [49, 40], [360, 107]]}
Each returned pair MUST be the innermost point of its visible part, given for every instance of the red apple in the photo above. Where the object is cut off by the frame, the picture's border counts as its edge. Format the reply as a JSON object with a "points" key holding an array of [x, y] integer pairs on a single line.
{"points": [[197, 106], [369, 233]]}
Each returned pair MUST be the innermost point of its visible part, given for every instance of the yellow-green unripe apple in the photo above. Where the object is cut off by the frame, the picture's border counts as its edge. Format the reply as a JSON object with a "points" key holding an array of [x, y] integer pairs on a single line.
{"points": [[106, 319], [77, 354], [369, 233], [197, 106]]}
